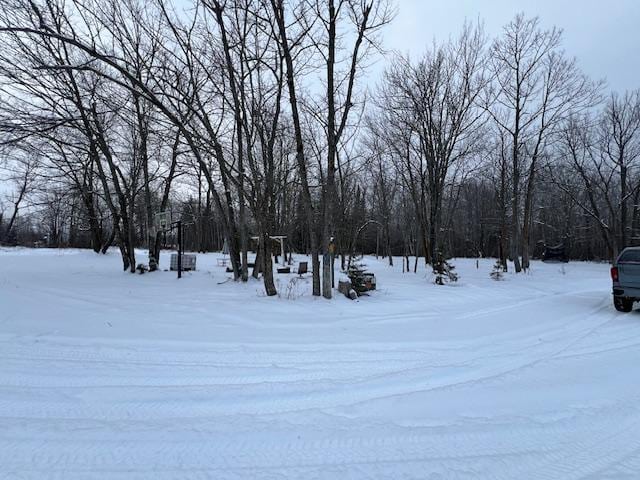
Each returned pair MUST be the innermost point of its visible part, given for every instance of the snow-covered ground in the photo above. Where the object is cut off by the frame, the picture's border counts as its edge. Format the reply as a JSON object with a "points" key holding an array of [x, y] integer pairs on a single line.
{"points": [[104, 374]]}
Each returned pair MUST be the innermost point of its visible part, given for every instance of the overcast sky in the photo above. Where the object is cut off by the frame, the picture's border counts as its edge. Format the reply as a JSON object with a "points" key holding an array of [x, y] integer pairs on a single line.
{"points": [[603, 35]]}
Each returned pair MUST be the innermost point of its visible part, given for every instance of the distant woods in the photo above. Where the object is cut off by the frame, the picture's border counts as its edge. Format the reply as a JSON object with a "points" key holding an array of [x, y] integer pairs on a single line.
{"points": [[252, 118]]}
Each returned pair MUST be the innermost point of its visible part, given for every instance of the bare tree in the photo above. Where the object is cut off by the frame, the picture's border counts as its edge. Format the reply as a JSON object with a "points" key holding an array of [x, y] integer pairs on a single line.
{"points": [[619, 131], [536, 87], [440, 98], [21, 173]]}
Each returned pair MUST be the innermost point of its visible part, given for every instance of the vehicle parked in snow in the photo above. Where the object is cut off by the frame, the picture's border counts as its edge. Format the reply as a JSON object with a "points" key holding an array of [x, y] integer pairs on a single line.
{"points": [[625, 274]]}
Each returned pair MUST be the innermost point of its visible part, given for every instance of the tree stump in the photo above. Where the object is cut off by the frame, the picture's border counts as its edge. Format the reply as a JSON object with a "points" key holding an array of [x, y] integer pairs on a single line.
{"points": [[345, 288]]}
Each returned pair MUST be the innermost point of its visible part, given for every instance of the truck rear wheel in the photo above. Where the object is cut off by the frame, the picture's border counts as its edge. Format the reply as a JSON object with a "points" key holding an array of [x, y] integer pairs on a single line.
{"points": [[623, 304]]}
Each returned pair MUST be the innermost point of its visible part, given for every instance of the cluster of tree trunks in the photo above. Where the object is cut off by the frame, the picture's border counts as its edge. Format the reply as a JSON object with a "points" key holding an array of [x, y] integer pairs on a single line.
{"points": [[117, 110]]}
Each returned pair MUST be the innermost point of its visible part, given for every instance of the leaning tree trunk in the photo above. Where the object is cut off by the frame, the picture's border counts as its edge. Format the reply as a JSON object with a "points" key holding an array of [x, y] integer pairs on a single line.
{"points": [[121, 215], [95, 226], [16, 208], [110, 239]]}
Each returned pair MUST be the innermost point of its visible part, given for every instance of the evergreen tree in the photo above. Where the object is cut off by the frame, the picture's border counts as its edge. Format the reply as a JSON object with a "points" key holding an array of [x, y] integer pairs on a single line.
{"points": [[444, 271], [498, 271], [355, 272]]}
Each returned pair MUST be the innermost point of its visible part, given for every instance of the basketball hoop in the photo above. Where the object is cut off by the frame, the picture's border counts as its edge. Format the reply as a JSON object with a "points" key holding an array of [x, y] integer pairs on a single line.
{"points": [[162, 221]]}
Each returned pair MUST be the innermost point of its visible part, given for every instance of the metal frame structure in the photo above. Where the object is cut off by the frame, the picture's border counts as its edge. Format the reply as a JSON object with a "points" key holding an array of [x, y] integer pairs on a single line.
{"points": [[281, 239]]}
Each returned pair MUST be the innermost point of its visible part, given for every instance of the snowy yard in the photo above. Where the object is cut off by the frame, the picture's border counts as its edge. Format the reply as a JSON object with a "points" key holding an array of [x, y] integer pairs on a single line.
{"points": [[104, 374]]}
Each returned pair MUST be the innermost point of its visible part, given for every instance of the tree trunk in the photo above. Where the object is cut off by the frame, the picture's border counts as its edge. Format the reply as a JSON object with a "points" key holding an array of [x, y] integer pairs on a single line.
{"points": [[514, 244], [624, 205], [329, 191], [267, 274], [260, 259], [526, 221], [278, 9]]}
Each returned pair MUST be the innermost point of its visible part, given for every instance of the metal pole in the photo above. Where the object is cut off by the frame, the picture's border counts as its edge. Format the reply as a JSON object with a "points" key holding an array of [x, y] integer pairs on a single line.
{"points": [[179, 249]]}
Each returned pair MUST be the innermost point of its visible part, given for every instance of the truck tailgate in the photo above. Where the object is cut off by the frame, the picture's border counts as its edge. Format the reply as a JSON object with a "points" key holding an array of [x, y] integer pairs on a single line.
{"points": [[629, 274]]}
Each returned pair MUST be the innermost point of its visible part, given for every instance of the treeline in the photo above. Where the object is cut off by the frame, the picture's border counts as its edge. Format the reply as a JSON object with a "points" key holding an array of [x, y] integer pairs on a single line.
{"points": [[251, 118]]}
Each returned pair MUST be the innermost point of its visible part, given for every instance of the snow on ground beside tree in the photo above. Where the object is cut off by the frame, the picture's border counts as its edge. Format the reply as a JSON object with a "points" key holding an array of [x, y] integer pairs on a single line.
{"points": [[104, 374]]}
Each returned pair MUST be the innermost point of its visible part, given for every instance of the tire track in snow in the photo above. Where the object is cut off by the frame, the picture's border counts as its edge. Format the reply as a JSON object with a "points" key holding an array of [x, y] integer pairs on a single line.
{"points": [[550, 450], [270, 391], [328, 387]]}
